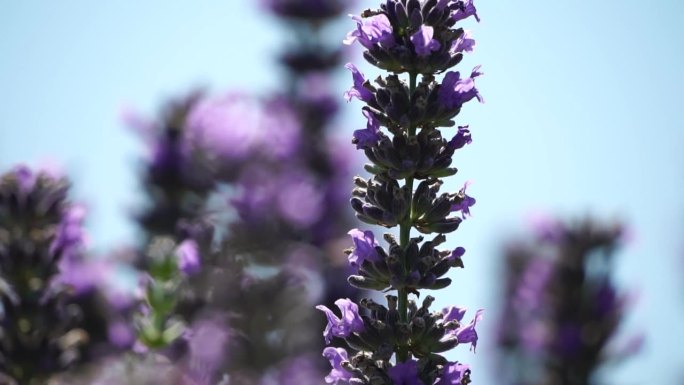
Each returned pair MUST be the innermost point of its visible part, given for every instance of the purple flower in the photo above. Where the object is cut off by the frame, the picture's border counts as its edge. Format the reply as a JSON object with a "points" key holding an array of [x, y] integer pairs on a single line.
{"points": [[26, 178], [120, 334], [464, 43], [364, 247], [342, 327], [188, 257], [368, 136], [70, 237], [207, 340], [454, 91], [465, 334], [465, 10], [281, 135], [455, 256], [371, 31], [453, 313], [453, 374], [336, 356], [461, 138], [226, 126], [299, 199], [405, 373], [466, 202], [358, 90], [423, 42]]}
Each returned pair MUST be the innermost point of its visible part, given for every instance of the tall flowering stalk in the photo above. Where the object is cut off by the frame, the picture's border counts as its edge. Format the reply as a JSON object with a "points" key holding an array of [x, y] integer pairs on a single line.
{"points": [[406, 119], [46, 326], [562, 308]]}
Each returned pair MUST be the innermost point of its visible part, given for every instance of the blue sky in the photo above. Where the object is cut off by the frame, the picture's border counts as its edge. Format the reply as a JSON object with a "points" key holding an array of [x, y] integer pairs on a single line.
{"points": [[582, 115]]}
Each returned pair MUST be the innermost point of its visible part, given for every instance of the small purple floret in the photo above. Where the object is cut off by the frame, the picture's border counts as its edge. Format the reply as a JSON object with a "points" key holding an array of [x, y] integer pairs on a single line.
{"points": [[336, 356], [364, 247], [368, 136], [358, 90], [350, 322], [188, 257], [453, 374], [423, 42], [371, 31], [465, 205], [466, 9], [461, 138], [464, 43], [454, 91], [465, 334]]}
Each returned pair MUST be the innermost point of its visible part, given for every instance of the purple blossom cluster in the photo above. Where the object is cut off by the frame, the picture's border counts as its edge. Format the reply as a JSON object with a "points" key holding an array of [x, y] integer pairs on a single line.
{"points": [[562, 309], [401, 343], [50, 320]]}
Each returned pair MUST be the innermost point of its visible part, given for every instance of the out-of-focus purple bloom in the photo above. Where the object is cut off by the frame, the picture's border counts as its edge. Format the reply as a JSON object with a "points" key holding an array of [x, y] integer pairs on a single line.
{"points": [[358, 90], [465, 205], [120, 334], [547, 228], [530, 291], [464, 43], [26, 178], [453, 374], [70, 237], [405, 373], [207, 340], [568, 340], [299, 200], [423, 42], [364, 247], [302, 370], [368, 136], [454, 91], [189, 260], [83, 276], [350, 322], [465, 10], [465, 334], [336, 356], [461, 138], [371, 31], [227, 126], [281, 129], [307, 9]]}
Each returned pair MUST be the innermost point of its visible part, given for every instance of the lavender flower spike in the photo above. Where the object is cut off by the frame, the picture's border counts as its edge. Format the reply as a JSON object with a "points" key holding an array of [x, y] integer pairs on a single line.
{"points": [[350, 322], [358, 91], [409, 111]]}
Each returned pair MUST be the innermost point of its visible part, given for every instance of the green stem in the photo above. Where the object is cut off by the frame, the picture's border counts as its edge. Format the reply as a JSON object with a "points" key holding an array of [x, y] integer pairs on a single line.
{"points": [[405, 232]]}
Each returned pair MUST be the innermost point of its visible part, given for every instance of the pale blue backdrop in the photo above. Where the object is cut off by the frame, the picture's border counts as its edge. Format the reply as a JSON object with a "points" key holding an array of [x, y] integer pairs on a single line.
{"points": [[583, 115]]}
